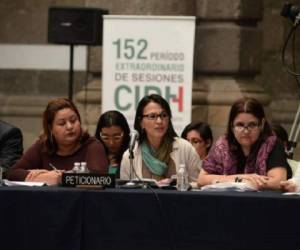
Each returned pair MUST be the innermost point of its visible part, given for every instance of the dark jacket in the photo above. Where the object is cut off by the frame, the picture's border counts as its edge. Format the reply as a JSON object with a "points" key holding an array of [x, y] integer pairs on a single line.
{"points": [[11, 145]]}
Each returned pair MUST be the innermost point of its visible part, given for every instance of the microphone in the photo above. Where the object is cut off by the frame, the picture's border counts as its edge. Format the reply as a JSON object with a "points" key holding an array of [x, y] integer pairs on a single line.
{"points": [[134, 135]]}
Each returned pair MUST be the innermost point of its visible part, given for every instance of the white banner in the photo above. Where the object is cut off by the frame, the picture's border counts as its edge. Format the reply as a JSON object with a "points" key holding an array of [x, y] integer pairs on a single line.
{"points": [[144, 55]]}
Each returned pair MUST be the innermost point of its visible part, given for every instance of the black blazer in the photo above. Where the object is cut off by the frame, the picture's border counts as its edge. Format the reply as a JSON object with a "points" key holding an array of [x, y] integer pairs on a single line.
{"points": [[11, 145]]}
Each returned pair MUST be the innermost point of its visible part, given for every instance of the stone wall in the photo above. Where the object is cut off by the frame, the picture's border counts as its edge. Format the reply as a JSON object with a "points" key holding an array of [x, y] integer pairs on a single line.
{"points": [[282, 88], [237, 53], [227, 58], [24, 93]]}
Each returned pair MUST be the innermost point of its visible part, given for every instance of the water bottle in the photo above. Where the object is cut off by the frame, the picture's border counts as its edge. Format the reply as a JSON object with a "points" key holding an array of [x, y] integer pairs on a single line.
{"points": [[182, 178], [83, 168], [76, 168]]}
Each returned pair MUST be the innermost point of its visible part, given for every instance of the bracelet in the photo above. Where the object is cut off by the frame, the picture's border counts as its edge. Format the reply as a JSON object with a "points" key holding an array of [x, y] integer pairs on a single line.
{"points": [[238, 179]]}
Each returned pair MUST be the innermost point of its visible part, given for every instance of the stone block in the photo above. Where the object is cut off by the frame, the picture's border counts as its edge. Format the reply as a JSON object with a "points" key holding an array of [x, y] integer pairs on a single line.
{"points": [[91, 94], [39, 82], [57, 82], [23, 105], [273, 30], [89, 116], [250, 50], [141, 7], [284, 111], [199, 113], [27, 21], [229, 9], [26, 113], [31, 128], [218, 131], [226, 48], [224, 91], [95, 59], [218, 115]]}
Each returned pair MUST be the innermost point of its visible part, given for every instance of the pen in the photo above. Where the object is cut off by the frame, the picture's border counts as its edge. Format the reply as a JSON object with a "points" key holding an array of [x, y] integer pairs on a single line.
{"points": [[52, 166]]}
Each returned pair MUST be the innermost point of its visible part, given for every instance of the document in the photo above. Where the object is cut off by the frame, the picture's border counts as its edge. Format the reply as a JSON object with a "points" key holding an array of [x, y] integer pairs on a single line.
{"points": [[228, 186], [291, 193], [23, 183]]}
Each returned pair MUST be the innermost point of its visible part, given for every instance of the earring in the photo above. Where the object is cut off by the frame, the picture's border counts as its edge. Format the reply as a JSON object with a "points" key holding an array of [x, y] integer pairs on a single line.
{"points": [[51, 138]]}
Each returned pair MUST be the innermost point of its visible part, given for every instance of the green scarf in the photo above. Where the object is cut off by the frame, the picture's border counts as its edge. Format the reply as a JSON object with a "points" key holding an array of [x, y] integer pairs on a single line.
{"points": [[114, 170], [154, 165]]}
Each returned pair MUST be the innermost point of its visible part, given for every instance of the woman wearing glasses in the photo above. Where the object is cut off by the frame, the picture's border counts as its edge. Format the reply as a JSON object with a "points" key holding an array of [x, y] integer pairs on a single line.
{"points": [[249, 152], [159, 151], [199, 134], [113, 131]]}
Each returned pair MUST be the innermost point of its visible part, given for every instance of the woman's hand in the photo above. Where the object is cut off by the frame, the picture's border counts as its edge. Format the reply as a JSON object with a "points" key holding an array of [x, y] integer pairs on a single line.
{"points": [[165, 181], [289, 185], [52, 177], [258, 182]]}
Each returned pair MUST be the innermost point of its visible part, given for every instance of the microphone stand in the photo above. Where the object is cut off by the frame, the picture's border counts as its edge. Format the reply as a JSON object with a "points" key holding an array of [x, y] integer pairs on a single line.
{"points": [[71, 72], [130, 183], [294, 134]]}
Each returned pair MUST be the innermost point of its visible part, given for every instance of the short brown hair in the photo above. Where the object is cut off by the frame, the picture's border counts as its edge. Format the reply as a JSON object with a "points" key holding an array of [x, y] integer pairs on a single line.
{"points": [[53, 106]]}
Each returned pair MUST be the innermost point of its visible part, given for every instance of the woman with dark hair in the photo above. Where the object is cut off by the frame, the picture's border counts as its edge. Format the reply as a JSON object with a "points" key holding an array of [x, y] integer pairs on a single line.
{"points": [[281, 133], [159, 151], [293, 184], [62, 143], [113, 131], [249, 152], [199, 134]]}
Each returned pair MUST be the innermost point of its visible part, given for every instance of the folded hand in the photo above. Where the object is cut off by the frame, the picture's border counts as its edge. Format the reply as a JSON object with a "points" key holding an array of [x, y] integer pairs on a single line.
{"points": [[259, 182], [289, 185], [41, 175]]}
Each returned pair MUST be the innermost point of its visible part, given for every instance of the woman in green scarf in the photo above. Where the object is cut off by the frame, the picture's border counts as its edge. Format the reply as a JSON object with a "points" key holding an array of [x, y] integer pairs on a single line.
{"points": [[159, 151]]}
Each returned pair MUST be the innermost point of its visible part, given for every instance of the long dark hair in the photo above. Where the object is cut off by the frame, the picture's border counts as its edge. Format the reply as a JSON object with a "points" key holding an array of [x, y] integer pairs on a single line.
{"points": [[163, 153], [55, 105], [251, 106], [114, 118], [203, 130]]}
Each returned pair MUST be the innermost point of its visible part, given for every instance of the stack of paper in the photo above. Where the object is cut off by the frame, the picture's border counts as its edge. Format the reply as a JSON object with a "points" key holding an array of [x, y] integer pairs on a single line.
{"points": [[229, 186], [23, 183]]}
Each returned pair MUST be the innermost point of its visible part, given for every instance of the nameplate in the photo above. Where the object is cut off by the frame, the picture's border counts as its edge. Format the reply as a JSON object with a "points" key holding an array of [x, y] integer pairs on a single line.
{"points": [[88, 179]]}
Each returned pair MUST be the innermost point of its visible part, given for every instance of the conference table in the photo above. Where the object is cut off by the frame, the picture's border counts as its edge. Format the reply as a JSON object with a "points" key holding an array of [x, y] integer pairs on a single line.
{"points": [[82, 219]]}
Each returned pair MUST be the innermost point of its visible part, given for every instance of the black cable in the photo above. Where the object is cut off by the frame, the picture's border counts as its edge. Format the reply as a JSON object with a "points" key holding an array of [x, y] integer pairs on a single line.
{"points": [[292, 30], [160, 209], [293, 50], [292, 33], [86, 121], [293, 56]]}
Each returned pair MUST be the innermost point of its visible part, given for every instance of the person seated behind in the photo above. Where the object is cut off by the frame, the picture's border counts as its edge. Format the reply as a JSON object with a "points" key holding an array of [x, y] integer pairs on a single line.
{"points": [[159, 151], [291, 185], [11, 145], [62, 143], [249, 152], [281, 133], [199, 134], [283, 136], [113, 131]]}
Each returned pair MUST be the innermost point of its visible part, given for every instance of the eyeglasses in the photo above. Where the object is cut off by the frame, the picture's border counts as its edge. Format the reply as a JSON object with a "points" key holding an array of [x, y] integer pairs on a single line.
{"points": [[153, 116], [195, 141], [116, 138], [251, 126]]}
